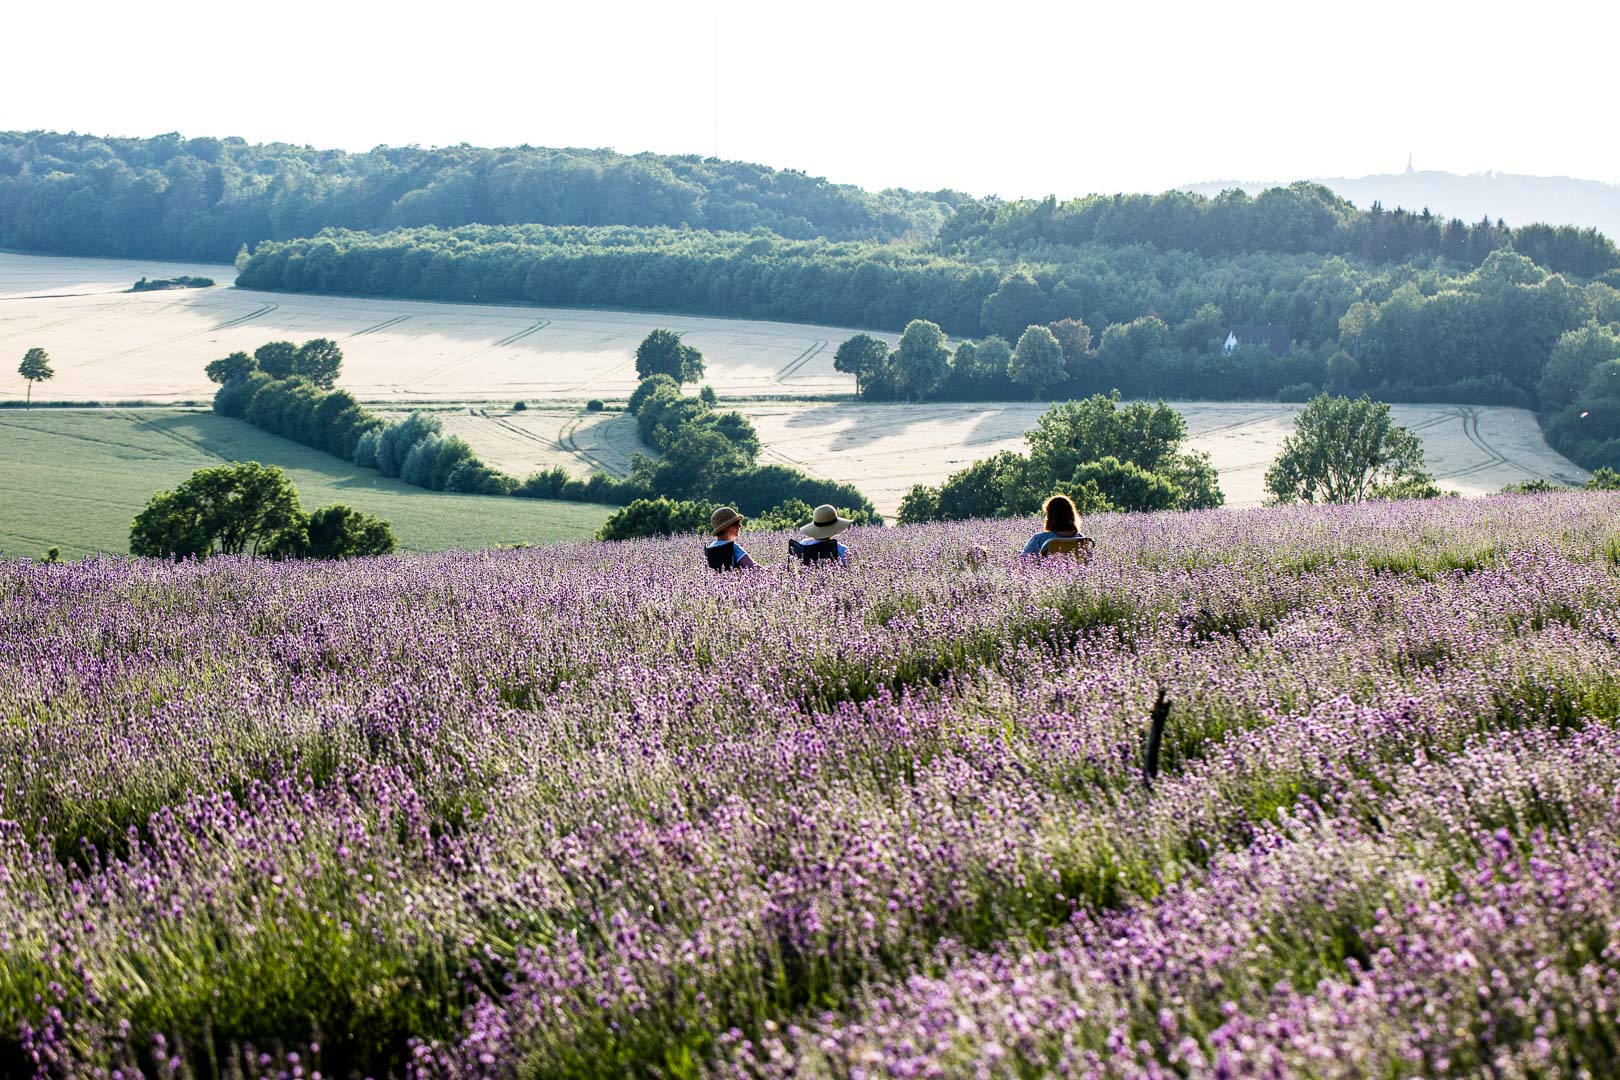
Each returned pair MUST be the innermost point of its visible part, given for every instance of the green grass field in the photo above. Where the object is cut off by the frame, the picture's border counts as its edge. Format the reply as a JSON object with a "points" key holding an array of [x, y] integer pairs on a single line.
{"points": [[76, 477]]}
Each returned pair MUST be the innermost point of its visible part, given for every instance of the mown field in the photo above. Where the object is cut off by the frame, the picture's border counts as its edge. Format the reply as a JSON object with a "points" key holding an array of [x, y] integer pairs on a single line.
{"points": [[74, 478], [884, 449], [592, 810], [111, 345]]}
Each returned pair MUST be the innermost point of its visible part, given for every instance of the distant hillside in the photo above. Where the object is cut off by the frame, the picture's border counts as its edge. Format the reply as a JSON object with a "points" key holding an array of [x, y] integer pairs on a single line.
{"points": [[203, 198], [1517, 200]]}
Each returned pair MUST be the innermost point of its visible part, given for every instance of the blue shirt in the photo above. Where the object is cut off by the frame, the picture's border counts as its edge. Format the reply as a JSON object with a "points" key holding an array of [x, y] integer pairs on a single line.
{"points": [[737, 552], [1040, 538]]}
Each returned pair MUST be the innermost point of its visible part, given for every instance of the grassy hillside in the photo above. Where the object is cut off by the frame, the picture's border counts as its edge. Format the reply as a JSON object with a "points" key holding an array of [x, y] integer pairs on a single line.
{"points": [[75, 478]]}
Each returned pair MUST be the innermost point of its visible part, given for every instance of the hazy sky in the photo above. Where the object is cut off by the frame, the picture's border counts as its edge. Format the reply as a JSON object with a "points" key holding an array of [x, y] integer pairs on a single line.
{"points": [[1007, 98]]}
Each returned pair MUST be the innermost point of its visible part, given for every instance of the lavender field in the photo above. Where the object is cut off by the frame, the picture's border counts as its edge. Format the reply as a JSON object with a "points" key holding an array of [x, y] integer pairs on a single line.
{"points": [[593, 810]]}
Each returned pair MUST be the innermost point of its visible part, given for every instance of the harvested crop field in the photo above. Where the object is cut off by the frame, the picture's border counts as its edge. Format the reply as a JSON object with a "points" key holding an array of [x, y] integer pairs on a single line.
{"points": [[884, 449], [109, 345], [595, 810], [543, 437]]}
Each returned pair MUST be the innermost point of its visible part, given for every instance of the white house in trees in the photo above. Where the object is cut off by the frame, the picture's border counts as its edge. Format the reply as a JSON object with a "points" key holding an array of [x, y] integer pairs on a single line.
{"points": [[1274, 338]]}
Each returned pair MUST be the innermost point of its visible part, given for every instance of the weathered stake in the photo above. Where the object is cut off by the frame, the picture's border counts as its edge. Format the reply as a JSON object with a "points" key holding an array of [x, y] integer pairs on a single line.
{"points": [[1161, 713]]}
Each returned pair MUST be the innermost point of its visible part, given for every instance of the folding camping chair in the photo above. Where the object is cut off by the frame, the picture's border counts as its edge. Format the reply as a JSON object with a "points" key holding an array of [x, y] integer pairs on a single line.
{"points": [[1077, 548], [813, 552]]}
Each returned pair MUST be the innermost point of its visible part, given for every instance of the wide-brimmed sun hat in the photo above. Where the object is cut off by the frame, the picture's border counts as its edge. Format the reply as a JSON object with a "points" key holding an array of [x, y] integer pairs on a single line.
{"points": [[825, 522], [723, 519]]}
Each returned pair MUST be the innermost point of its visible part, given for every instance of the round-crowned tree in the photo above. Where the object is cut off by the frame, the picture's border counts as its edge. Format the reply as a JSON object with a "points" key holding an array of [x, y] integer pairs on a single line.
{"points": [[241, 509], [663, 353]]}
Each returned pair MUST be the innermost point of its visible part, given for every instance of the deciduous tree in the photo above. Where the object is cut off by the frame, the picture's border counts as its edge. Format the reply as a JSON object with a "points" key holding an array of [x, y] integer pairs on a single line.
{"points": [[35, 367], [663, 353], [1037, 362], [861, 356], [319, 360], [922, 361], [235, 366], [277, 359], [239, 509], [337, 532], [1343, 451]]}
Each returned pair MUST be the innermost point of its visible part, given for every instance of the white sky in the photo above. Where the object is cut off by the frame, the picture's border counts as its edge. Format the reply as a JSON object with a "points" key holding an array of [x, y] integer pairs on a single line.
{"points": [[1011, 98]]}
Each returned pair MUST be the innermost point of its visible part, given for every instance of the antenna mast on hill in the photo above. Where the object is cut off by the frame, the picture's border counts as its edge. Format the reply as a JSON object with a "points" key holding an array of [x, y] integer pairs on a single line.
{"points": [[1409, 164]]}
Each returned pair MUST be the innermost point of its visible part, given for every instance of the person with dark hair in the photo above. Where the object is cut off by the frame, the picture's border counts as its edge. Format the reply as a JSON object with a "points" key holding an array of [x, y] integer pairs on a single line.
{"points": [[723, 552], [1062, 534]]}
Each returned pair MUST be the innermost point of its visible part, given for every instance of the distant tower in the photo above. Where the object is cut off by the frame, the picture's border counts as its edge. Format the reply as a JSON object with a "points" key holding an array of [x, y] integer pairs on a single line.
{"points": [[1409, 169]]}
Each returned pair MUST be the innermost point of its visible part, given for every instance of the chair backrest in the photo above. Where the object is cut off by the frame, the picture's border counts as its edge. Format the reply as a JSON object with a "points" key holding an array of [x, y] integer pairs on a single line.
{"points": [[813, 551], [1076, 547], [721, 556]]}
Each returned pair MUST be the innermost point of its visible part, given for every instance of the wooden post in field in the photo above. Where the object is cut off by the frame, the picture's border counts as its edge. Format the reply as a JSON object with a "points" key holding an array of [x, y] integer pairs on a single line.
{"points": [[1161, 712]]}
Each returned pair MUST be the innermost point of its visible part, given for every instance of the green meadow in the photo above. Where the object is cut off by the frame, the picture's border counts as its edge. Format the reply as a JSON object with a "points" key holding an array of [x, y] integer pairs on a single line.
{"points": [[74, 478]]}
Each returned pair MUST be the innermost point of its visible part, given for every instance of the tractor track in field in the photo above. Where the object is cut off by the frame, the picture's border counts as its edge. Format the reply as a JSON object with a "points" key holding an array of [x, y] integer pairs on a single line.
{"points": [[565, 439], [384, 325], [564, 442], [77, 317], [602, 376], [157, 428], [477, 354], [1475, 436], [1236, 424], [264, 309], [77, 438], [794, 366]]}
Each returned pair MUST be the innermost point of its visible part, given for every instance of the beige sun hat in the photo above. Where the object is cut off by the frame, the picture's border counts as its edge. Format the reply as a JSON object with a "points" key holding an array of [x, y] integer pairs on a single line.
{"points": [[723, 519], [825, 522]]}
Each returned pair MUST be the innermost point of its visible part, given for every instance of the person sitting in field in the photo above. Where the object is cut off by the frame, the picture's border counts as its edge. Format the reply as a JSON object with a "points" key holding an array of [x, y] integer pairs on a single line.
{"points": [[1062, 533], [723, 552], [825, 525]]}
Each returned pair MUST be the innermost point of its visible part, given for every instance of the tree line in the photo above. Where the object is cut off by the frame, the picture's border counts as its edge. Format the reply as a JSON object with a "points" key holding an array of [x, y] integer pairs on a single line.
{"points": [[1300, 218], [291, 391], [1145, 322], [204, 198]]}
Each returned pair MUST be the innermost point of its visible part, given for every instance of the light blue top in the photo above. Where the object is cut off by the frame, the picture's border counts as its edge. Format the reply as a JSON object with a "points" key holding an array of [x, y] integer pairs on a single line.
{"points": [[1039, 540], [737, 552]]}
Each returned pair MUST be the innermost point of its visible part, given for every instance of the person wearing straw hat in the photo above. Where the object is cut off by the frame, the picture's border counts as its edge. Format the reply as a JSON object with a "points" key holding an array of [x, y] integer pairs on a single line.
{"points": [[723, 552], [824, 527]]}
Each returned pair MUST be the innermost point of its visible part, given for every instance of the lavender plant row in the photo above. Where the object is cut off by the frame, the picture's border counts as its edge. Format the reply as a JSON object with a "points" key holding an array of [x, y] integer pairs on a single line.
{"points": [[595, 810]]}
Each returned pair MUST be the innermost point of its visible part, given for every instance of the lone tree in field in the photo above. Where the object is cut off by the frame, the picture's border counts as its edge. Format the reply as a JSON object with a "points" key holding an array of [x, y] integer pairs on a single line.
{"points": [[35, 367], [663, 353], [861, 356], [1345, 451], [1037, 362]]}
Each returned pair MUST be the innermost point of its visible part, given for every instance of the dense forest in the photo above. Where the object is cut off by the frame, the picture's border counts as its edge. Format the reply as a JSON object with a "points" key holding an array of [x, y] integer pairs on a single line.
{"points": [[1140, 291], [203, 198], [1517, 198]]}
